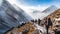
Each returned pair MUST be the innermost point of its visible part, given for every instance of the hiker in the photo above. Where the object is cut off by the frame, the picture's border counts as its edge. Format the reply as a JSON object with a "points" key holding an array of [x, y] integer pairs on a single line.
{"points": [[35, 20], [49, 23], [32, 20], [39, 21]]}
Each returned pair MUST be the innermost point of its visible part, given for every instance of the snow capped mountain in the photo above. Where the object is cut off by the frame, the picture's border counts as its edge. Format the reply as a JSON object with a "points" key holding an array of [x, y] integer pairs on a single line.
{"points": [[36, 11], [49, 10], [36, 14], [41, 15], [11, 16], [21, 11]]}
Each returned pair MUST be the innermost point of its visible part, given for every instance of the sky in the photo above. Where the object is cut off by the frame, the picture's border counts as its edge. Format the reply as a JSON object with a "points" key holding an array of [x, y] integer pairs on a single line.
{"points": [[36, 4], [30, 5], [40, 2]]}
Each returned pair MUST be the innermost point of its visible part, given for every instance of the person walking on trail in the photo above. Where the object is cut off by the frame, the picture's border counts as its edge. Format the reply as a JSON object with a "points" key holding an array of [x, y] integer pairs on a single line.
{"points": [[39, 21], [49, 23], [46, 24]]}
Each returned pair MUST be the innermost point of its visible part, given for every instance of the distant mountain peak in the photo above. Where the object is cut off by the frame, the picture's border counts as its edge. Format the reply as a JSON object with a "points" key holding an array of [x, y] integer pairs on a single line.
{"points": [[45, 13], [36, 11], [53, 6], [49, 9]]}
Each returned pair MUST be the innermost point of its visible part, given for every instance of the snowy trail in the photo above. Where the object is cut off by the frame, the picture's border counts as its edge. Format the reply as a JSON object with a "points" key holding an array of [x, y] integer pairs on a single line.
{"points": [[40, 28]]}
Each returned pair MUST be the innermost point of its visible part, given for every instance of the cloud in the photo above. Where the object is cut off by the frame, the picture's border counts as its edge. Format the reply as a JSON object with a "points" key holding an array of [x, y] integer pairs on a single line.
{"points": [[27, 8]]}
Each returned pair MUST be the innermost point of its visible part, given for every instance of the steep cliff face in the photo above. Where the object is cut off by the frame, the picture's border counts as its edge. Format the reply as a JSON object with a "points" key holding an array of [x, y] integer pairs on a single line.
{"points": [[11, 17]]}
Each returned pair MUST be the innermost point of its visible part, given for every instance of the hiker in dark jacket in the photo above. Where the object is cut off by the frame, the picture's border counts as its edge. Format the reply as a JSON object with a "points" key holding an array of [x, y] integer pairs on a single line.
{"points": [[49, 23], [46, 24], [39, 21], [32, 20]]}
